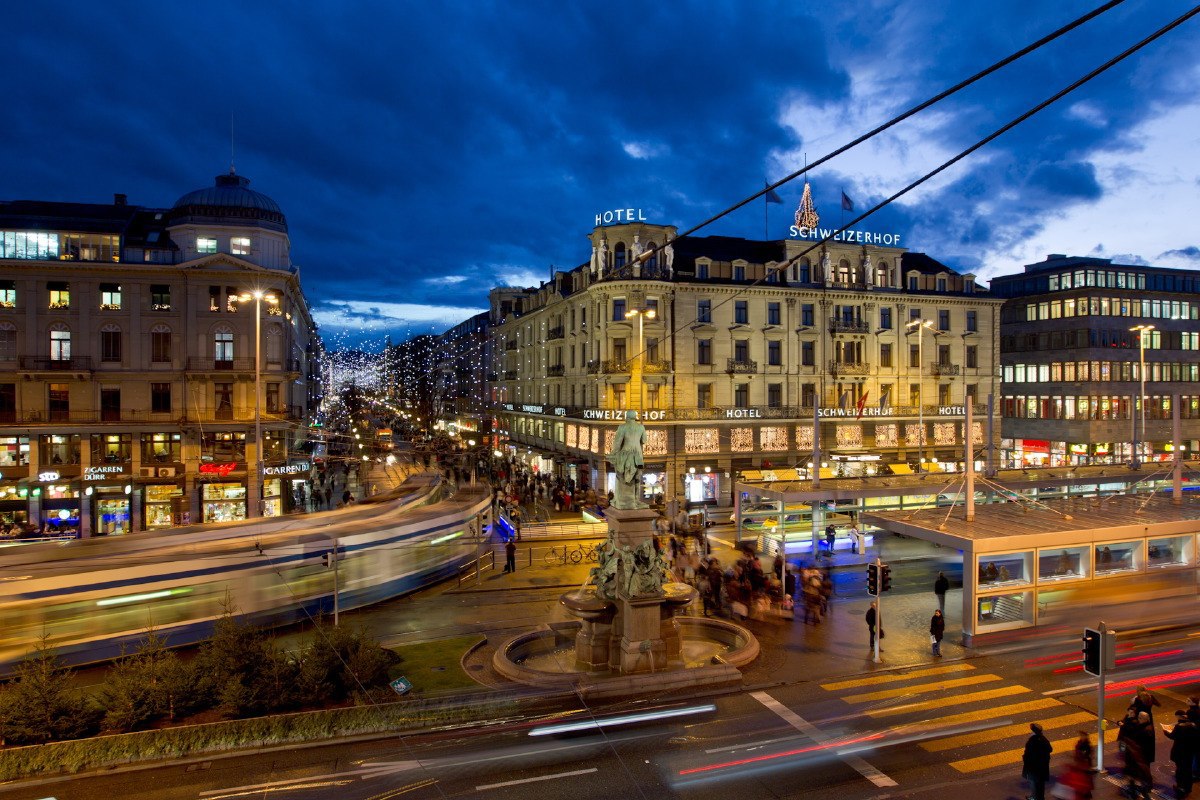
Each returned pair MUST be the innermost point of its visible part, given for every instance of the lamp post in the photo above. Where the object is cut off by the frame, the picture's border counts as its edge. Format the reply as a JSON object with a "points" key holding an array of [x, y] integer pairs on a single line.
{"points": [[642, 315], [920, 326], [258, 295], [1142, 331]]}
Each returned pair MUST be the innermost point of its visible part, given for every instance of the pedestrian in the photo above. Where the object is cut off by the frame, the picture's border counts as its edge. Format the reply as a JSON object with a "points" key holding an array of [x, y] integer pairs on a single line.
{"points": [[855, 545], [1035, 762], [830, 538], [510, 556], [347, 498], [871, 616], [940, 587], [1183, 750], [1144, 701], [1193, 714], [1131, 741], [937, 628], [1079, 774]]}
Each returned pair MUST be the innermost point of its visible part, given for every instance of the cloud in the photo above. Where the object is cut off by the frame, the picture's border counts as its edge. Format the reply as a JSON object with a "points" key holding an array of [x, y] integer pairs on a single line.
{"points": [[643, 150], [446, 280]]}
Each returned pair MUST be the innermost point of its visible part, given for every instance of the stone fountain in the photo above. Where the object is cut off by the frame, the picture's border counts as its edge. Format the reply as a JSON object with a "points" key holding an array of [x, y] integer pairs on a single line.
{"points": [[627, 608]]}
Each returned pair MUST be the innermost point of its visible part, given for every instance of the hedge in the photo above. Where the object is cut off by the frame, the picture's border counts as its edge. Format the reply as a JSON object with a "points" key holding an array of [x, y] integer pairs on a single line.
{"points": [[193, 740]]}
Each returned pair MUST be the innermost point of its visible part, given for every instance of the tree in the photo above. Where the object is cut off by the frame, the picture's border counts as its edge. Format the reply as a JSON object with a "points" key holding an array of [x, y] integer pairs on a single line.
{"points": [[343, 661], [41, 704], [241, 671], [149, 684]]}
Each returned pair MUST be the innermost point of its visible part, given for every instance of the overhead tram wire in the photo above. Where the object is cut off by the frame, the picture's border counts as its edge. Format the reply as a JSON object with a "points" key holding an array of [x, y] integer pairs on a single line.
{"points": [[1024, 51], [960, 156]]}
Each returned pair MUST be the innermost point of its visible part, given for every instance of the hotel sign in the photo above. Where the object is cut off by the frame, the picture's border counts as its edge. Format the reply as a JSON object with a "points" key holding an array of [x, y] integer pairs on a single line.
{"points": [[557, 411], [848, 235], [617, 415], [618, 215]]}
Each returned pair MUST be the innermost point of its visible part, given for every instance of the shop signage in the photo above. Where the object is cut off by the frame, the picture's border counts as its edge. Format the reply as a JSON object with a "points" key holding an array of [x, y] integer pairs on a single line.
{"points": [[886, 411], [620, 215], [743, 413], [98, 473], [287, 469], [48, 476], [220, 470], [850, 235], [617, 415], [557, 411], [952, 411]]}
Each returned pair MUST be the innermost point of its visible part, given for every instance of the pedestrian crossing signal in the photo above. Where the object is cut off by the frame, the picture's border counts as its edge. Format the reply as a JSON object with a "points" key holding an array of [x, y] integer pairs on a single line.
{"points": [[885, 578], [1099, 650], [873, 580]]}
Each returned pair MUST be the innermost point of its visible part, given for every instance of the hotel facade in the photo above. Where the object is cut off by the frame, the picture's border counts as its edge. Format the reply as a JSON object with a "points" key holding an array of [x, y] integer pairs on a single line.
{"points": [[729, 349], [128, 362]]}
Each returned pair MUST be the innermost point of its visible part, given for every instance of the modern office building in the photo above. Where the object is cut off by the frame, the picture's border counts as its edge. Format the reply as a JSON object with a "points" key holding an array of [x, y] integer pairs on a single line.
{"points": [[128, 363], [730, 348], [1075, 334]]}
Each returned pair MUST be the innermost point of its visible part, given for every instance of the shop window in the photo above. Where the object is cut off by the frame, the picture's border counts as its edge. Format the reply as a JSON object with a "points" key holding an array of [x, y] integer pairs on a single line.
{"points": [[110, 297], [223, 447], [110, 344], [223, 502], [1004, 609], [1175, 551], [60, 295], [8, 341], [58, 402], [160, 398], [1003, 569], [1061, 564], [160, 344], [58, 449], [8, 294], [60, 343], [112, 448], [160, 297], [1118, 557], [14, 451]]}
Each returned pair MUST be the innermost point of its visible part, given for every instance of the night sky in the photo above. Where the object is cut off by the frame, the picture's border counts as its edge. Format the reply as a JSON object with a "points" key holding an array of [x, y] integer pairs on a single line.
{"points": [[426, 152]]}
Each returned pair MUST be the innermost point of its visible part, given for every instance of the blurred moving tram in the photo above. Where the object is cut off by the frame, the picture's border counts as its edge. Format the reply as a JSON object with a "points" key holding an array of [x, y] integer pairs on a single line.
{"points": [[90, 599]]}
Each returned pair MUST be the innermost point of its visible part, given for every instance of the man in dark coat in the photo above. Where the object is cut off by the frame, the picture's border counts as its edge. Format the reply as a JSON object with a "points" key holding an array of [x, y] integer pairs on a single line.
{"points": [[871, 616], [940, 587], [1035, 763], [510, 556], [937, 629], [1183, 749]]}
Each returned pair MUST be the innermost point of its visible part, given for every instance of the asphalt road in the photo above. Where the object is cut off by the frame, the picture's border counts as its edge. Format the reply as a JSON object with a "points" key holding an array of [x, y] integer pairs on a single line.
{"points": [[920, 731]]}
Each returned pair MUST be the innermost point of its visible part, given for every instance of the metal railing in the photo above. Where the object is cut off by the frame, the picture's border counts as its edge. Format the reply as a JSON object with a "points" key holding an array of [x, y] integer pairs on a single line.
{"points": [[474, 569], [555, 333], [736, 366], [56, 364], [844, 368], [555, 371], [945, 369], [849, 326], [563, 530]]}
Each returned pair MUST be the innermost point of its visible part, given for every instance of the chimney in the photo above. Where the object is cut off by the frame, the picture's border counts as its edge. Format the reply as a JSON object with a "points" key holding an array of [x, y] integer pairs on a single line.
{"points": [[119, 199]]}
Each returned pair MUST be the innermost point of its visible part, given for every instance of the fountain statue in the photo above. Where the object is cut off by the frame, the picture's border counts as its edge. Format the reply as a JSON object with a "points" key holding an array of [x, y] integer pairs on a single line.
{"points": [[626, 459]]}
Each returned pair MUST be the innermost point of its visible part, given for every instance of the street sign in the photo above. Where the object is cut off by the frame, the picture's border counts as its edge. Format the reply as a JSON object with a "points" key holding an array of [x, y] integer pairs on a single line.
{"points": [[401, 685]]}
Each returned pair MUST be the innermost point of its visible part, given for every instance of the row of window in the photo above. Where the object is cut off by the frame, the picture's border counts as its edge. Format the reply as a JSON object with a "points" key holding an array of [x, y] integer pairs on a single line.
{"points": [[58, 400], [1108, 338], [847, 395], [238, 245], [1103, 307], [112, 297], [1128, 371], [112, 339], [1093, 407], [117, 448], [53, 246]]}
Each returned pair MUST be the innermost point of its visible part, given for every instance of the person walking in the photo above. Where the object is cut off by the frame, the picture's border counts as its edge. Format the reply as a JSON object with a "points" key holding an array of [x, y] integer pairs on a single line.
{"points": [[940, 587], [856, 540], [872, 616], [937, 629], [1035, 762], [1183, 749], [1079, 774], [510, 556], [830, 538]]}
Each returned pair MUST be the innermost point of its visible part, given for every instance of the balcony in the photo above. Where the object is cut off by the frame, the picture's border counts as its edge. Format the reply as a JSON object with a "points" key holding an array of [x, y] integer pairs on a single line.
{"points": [[593, 367], [737, 367], [47, 364], [555, 371], [223, 365], [656, 366], [844, 368], [616, 366], [849, 326], [555, 333], [945, 369]]}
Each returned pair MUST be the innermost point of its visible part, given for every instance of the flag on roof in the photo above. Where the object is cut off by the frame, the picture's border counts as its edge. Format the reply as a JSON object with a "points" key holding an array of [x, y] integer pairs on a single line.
{"points": [[773, 197], [847, 203]]}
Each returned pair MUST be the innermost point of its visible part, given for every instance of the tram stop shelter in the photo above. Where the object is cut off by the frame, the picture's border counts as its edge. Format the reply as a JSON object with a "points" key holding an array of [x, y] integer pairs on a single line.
{"points": [[1028, 563]]}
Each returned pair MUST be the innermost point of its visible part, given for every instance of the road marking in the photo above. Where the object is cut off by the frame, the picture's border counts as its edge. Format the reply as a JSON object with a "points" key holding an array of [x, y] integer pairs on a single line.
{"points": [[877, 679], [957, 700], [1014, 756], [923, 688], [811, 731], [1005, 731], [749, 745], [998, 712], [487, 786]]}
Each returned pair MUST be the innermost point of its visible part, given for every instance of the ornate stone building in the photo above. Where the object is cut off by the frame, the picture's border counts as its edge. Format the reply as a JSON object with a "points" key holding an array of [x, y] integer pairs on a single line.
{"points": [[127, 362], [730, 348]]}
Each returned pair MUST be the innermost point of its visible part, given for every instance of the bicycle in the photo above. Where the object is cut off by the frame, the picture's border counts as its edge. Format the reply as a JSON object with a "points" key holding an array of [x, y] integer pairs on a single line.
{"points": [[576, 556]]}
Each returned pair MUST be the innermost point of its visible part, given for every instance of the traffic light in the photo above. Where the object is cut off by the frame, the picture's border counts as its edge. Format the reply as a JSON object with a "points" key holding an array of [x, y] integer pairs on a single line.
{"points": [[885, 578], [327, 559], [873, 580], [1099, 649]]}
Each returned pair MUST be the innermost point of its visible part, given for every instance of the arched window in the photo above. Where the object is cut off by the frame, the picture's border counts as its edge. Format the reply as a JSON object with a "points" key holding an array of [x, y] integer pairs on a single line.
{"points": [[60, 342], [223, 347], [619, 255], [845, 273], [8, 341], [110, 342], [160, 343], [274, 344]]}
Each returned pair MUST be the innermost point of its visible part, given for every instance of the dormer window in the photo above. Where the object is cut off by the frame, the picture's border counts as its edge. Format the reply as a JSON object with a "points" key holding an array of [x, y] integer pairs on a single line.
{"points": [[941, 284], [206, 244]]}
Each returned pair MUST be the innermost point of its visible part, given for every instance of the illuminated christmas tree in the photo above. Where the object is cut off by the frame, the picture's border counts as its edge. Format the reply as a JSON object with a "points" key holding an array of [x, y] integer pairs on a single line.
{"points": [[806, 212]]}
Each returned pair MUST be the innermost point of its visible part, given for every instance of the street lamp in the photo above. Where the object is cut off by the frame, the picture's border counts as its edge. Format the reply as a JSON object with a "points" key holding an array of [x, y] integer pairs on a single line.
{"points": [[258, 296], [642, 315], [920, 326], [1142, 330]]}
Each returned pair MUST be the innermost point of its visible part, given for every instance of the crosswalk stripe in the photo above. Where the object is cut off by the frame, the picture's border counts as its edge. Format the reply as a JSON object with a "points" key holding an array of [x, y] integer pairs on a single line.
{"points": [[921, 688], [999, 712], [1005, 731], [878, 679], [1014, 756], [942, 702]]}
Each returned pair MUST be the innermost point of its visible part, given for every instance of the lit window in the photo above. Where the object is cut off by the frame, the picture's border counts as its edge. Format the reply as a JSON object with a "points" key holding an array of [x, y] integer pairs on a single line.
{"points": [[160, 297], [8, 294], [110, 297], [223, 346], [60, 345], [60, 295], [240, 245], [206, 244]]}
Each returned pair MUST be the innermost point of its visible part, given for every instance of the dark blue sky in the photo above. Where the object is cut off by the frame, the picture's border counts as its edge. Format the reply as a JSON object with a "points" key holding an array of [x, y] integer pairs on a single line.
{"points": [[425, 152]]}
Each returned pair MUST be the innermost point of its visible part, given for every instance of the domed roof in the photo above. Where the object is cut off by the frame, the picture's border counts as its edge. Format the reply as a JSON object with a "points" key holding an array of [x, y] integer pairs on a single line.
{"points": [[229, 199]]}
